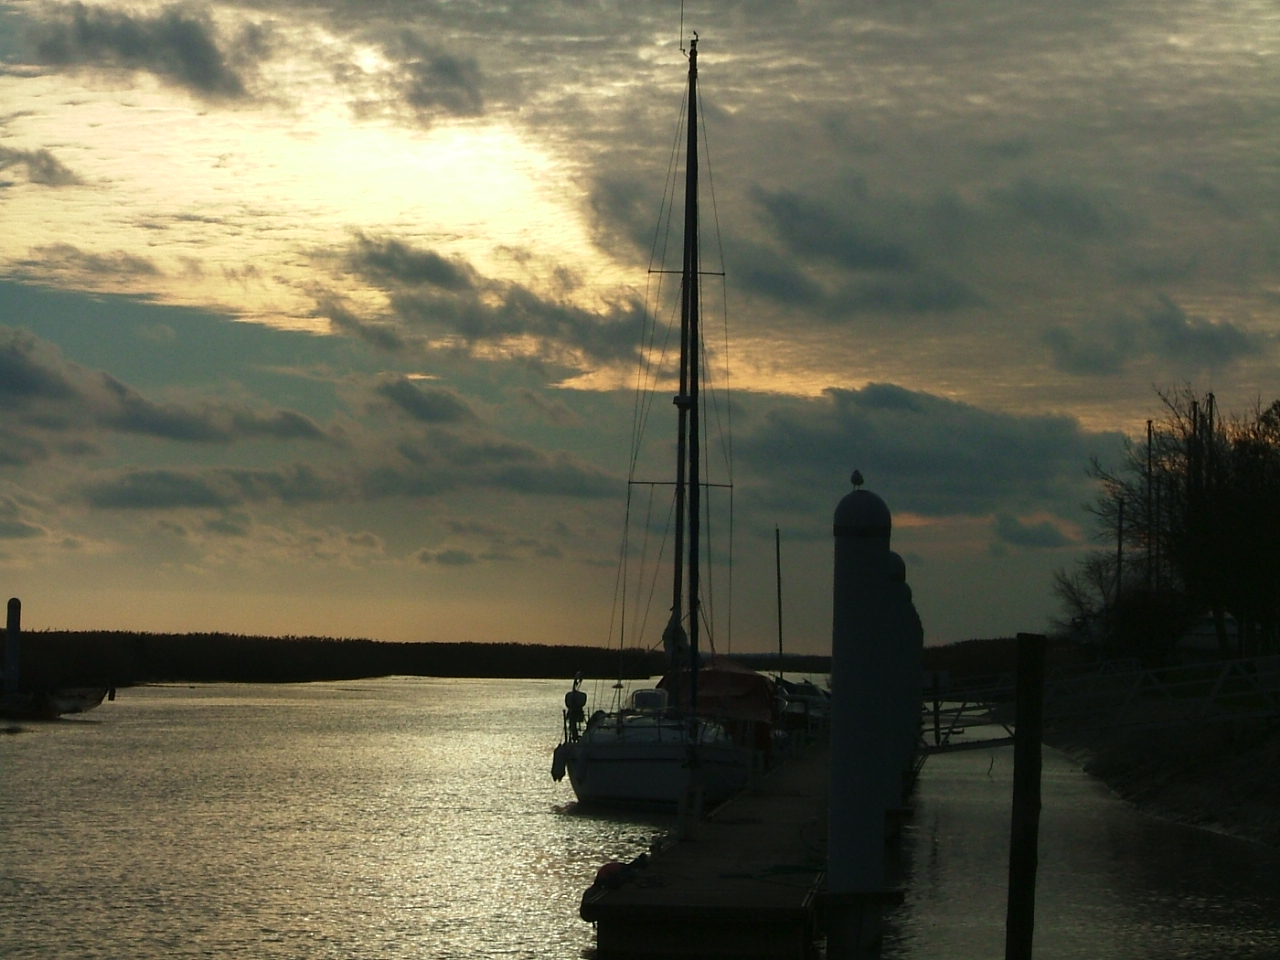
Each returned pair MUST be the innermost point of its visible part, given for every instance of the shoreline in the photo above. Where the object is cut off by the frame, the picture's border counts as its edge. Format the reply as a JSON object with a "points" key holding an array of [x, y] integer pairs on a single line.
{"points": [[1223, 777]]}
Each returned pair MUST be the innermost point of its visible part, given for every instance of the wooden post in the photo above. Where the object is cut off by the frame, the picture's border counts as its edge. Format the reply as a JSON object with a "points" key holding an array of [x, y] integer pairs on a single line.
{"points": [[937, 711], [12, 644], [1025, 828]]}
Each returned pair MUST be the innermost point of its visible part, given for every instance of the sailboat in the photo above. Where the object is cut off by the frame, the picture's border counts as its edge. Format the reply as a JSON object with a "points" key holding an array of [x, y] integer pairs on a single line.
{"points": [[698, 734]]}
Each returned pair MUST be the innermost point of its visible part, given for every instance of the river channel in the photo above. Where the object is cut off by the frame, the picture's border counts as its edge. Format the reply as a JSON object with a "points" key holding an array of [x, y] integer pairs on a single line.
{"points": [[412, 817]]}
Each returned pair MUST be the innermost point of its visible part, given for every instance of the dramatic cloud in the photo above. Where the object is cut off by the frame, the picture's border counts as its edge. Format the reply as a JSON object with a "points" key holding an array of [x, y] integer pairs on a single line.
{"points": [[177, 44], [1011, 219], [939, 457], [435, 296]]}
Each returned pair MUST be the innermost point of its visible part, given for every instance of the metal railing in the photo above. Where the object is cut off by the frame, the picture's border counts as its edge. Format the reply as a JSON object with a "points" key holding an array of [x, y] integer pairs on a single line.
{"points": [[979, 713]]}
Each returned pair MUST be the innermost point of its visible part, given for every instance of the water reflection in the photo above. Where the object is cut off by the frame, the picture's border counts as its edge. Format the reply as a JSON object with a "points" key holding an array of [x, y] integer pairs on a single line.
{"points": [[417, 818], [1111, 882]]}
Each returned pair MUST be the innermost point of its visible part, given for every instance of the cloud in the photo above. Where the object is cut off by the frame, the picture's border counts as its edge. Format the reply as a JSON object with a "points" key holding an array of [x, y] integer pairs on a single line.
{"points": [[29, 371], [53, 406], [66, 256], [384, 336], [230, 524], [623, 212], [130, 412], [1165, 332], [448, 558], [1058, 207], [160, 489], [876, 270], [42, 167], [434, 296], [178, 44], [443, 460], [221, 487], [432, 78], [424, 404], [1102, 352], [1194, 340], [759, 268], [920, 292], [395, 262], [438, 462], [13, 525], [1043, 535], [811, 227], [925, 454]]}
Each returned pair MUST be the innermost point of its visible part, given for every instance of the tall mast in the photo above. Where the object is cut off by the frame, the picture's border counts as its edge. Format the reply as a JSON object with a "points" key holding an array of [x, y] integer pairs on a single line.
{"points": [[690, 334], [686, 401]]}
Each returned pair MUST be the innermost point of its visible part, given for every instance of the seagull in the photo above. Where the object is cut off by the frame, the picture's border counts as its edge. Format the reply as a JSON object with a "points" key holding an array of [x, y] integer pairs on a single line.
{"points": [[857, 478]]}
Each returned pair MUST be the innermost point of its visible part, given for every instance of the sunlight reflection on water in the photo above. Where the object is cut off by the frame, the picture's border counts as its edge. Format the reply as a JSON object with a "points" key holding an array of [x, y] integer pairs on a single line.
{"points": [[392, 818], [417, 818]]}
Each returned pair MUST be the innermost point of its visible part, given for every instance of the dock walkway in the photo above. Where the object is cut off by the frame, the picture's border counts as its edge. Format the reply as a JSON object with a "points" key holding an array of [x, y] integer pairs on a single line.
{"points": [[745, 886]]}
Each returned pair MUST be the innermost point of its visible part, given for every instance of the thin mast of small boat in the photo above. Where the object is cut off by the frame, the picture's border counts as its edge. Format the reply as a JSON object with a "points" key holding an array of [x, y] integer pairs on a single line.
{"points": [[687, 454], [777, 565]]}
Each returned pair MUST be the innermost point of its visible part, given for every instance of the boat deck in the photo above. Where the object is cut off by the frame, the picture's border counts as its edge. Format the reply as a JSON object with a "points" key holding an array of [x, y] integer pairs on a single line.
{"points": [[745, 885]]}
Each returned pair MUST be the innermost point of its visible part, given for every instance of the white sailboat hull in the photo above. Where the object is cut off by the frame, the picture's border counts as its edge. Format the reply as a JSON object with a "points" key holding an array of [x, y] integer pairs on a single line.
{"points": [[654, 766]]}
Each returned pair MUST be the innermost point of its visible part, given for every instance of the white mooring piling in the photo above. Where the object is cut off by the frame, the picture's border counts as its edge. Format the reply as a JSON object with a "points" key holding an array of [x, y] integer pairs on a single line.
{"points": [[865, 774]]}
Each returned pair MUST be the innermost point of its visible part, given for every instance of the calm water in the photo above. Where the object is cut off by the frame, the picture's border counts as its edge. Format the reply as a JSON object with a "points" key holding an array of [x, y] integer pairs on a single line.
{"points": [[417, 818]]}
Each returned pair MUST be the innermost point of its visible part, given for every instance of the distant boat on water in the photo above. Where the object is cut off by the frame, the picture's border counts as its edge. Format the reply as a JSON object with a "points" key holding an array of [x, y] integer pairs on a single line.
{"points": [[46, 704], [51, 704], [701, 731]]}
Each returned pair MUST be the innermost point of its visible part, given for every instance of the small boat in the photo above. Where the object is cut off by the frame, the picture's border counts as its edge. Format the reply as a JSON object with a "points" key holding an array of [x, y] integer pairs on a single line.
{"points": [[51, 704], [697, 735], [17, 703]]}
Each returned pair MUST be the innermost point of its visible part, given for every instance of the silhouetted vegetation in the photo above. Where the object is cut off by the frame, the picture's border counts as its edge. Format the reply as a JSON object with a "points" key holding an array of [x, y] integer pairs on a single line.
{"points": [[1192, 519], [117, 658]]}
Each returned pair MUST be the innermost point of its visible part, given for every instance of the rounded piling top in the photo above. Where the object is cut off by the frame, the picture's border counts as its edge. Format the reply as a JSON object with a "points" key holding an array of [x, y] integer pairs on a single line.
{"points": [[862, 514], [897, 568]]}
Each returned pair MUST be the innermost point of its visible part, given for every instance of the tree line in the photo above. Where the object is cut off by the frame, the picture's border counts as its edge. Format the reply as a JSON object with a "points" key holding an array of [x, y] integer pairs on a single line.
{"points": [[1191, 522], [71, 658]]}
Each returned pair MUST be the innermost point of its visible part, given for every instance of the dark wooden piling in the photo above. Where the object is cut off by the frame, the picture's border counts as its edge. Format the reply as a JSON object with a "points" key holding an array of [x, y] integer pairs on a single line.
{"points": [[1025, 828], [12, 645]]}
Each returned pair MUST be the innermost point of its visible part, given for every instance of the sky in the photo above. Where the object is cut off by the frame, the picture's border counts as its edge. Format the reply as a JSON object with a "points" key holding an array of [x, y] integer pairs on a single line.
{"points": [[324, 317]]}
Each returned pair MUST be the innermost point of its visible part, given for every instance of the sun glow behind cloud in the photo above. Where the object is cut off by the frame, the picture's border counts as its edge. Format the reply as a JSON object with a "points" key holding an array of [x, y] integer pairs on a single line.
{"points": [[238, 208]]}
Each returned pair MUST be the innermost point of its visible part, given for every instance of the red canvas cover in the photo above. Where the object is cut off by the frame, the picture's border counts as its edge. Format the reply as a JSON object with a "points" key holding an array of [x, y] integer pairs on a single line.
{"points": [[727, 690]]}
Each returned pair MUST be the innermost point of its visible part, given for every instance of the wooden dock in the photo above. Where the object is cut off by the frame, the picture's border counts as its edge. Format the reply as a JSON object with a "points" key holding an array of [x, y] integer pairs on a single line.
{"points": [[746, 885]]}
